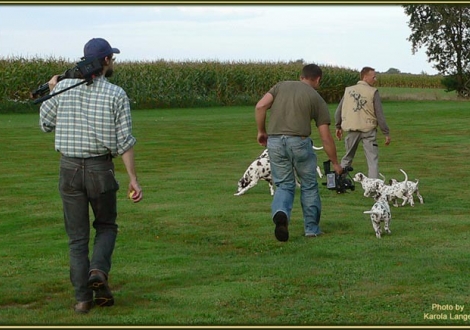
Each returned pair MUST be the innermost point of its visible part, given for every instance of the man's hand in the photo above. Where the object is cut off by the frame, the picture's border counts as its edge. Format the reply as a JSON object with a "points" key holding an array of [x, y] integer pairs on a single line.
{"points": [[338, 169], [387, 140], [54, 80], [339, 134], [136, 191], [263, 139]]}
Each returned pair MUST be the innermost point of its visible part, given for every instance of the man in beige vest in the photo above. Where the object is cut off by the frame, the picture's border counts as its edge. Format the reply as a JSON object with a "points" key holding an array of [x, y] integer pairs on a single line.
{"points": [[360, 113]]}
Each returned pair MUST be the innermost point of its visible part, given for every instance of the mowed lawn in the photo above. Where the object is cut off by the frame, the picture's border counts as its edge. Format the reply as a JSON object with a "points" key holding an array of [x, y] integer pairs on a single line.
{"points": [[191, 253]]}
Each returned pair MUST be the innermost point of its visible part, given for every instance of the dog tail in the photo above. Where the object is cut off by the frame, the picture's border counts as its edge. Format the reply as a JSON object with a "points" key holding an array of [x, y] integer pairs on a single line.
{"points": [[371, 212], [406, 176]]}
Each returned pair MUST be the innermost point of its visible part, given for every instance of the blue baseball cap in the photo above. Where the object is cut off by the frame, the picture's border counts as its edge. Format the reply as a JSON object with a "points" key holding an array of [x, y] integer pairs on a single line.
{"points": [[98, 48]]}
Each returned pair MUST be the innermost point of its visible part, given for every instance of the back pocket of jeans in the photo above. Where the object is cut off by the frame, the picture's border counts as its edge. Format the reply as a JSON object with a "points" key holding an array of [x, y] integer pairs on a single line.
{"points": [[104, 181], [67, 180]]}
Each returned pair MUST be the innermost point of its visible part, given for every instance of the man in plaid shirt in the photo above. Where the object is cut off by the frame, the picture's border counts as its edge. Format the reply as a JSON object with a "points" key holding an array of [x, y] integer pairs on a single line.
{"points": [[92, 125]]}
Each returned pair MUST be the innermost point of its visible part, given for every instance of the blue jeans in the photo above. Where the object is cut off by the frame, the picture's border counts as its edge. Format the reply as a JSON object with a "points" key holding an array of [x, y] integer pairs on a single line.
{"points": [[84, 183], [289, 153]]}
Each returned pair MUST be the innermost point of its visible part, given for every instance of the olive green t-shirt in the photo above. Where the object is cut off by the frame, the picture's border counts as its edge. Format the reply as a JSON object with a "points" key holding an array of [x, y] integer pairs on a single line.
{"points": [[295, 105]]}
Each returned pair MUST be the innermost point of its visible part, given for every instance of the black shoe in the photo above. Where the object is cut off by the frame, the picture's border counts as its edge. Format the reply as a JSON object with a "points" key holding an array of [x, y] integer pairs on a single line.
{"points": [[281, 232], [99, 284]]}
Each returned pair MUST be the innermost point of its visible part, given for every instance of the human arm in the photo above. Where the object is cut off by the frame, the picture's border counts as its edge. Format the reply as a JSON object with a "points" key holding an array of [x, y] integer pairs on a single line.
{"points": [[338, 120], [125, 144], [48, 110], [128, 160], [329, 146], [53, 81], [381, 122], [260, 116]]}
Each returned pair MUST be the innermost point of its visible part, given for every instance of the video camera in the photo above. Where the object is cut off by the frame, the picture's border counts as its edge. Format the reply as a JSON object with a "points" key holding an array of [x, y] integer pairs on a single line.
{"points": [[341, 182], [86, 69]]}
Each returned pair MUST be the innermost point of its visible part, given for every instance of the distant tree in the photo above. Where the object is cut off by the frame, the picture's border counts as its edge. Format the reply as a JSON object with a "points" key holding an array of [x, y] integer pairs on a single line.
{"points": [[445, 31], [299, 61], [393, 71]]}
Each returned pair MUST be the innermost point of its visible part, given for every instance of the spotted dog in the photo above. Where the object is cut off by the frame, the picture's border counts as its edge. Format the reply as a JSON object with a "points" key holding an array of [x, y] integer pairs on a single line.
{"points": [[412, 189], [380, 213], [369, 185], [260, 169], [395, 191]]}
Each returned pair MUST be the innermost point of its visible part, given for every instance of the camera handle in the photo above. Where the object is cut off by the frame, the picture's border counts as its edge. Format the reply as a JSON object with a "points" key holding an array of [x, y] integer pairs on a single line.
{"points": [[47, 97]]}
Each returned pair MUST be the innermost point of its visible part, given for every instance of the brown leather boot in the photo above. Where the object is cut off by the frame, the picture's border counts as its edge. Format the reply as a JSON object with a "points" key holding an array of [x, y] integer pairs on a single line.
{"points": [[99, 283], [83, 306]]}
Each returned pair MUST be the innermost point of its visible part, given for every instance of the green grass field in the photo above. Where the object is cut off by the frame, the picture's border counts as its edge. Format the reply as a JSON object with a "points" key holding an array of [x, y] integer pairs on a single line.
{"points": [[416, 94], [191, 253]]}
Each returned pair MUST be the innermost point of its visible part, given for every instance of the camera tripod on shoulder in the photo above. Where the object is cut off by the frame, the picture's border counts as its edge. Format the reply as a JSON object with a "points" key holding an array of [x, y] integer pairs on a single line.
{"points": [[86, 70]]}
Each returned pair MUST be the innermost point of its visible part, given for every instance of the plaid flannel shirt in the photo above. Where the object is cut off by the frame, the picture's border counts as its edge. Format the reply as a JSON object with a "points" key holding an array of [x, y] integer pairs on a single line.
{"points": [[88, 120]]}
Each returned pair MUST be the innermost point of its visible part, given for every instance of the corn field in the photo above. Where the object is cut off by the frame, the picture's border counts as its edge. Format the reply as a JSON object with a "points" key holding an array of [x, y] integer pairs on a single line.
{"points": [[409, 80], [168, 84]]}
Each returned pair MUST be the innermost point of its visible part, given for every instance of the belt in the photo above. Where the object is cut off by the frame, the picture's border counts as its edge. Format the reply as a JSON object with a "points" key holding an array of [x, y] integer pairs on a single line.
{"points": [[288, 135], [105, 157]]}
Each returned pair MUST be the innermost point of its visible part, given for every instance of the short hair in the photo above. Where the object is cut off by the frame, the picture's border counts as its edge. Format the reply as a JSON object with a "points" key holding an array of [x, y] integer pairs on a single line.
{"points": [[365, 70], [311, 71]]}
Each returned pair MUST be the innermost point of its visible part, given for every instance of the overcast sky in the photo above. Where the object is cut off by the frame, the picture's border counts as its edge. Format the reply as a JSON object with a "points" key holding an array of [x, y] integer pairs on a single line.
{"points": [[350, 36]]}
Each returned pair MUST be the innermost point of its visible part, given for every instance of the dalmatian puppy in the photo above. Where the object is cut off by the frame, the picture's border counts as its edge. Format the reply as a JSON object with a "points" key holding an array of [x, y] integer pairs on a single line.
{"points": [[380, 213], [412, 189], [369, 185], [260, 169], [395, 191]]}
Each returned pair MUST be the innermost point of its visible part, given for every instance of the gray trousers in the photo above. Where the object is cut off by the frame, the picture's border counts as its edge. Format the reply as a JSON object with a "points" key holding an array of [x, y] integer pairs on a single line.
{"points": [[371, 150], [84, 183]]}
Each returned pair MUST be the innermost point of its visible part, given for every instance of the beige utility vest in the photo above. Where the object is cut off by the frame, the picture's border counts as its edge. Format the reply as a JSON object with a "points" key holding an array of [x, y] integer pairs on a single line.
{"points": [[357, 112]]}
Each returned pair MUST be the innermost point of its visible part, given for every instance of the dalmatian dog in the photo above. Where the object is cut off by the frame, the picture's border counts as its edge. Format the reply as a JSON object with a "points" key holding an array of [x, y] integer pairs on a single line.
{"points": [[260, 169], [380, 213], [395, 191], [370, 185], [412, 189]]}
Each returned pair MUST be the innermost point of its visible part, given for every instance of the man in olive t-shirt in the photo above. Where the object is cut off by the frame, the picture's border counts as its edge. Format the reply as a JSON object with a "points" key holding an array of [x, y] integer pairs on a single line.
{"points": [[293, 105]]}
